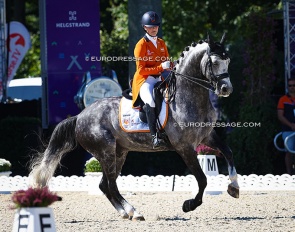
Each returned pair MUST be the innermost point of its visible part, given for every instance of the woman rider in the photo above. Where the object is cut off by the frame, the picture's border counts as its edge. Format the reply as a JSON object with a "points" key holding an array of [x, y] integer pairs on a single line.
{"points": [[152, 59]]}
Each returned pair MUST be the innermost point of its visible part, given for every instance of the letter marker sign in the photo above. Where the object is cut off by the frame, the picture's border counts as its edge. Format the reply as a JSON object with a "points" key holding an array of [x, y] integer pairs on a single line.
{"points": [[34, 219], [208, 164]]}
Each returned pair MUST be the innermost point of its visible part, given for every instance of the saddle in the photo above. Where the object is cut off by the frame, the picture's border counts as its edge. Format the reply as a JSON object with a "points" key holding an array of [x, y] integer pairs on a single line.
{"points": [[158, 93]]}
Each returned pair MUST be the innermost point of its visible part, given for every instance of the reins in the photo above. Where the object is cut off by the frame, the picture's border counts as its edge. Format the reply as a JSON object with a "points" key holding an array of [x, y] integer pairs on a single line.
{"points": [[195, 80], [171, 87], [171, 84]]}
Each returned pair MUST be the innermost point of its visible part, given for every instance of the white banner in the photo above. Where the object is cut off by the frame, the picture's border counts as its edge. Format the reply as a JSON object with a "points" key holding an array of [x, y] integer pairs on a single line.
{"points": [[19, 44]]}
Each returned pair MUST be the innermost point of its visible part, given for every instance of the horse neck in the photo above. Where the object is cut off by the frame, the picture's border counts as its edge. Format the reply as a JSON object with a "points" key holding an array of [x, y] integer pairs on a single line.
{"points": [[189, 93]]}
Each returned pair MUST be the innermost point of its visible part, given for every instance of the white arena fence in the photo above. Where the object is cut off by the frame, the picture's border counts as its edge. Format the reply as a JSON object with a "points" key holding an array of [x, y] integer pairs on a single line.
{"points": [[216, 184]]}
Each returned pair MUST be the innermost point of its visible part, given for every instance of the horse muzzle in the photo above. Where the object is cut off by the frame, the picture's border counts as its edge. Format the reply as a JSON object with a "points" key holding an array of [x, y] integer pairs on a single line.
{"points": [[224, 88]]}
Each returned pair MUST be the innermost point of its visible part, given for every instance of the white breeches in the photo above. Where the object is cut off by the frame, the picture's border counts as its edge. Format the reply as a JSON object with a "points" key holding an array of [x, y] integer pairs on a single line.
{"points": [[146, 90]]}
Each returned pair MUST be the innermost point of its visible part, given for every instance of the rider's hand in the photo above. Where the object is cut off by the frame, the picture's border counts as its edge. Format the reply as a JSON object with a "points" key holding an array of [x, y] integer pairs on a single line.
{"points": [[166, 65]]}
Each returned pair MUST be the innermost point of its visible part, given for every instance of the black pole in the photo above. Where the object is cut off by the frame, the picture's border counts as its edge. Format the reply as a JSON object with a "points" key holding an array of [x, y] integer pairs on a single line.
{"points": [[5, 76], [5, 71], [173, 183]]}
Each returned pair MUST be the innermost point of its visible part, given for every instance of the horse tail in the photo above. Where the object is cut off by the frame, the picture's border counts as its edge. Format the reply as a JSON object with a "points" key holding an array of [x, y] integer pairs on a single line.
{"points": [[61, 142]]}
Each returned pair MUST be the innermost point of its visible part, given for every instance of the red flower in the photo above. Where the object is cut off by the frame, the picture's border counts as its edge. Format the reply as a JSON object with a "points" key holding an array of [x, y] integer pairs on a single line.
{"points": [[205, 150], [38, 197]]}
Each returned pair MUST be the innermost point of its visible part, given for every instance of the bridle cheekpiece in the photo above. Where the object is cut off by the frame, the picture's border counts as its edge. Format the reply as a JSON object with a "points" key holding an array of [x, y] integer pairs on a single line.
{"points": [[220, 52]]}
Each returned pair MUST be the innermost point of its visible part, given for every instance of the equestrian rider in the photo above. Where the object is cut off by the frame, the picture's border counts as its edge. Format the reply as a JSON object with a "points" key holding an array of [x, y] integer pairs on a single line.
{"points": [[152, 59]]}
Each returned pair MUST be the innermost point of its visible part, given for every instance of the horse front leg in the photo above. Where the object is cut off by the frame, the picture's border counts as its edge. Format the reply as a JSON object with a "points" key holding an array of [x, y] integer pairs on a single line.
{"points": [[190, 159], [215, 142]]}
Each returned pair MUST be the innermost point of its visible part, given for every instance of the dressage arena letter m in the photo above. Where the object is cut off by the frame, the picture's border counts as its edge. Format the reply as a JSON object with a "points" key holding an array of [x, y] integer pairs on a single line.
{"points": [[211, 164], [208, 164]]}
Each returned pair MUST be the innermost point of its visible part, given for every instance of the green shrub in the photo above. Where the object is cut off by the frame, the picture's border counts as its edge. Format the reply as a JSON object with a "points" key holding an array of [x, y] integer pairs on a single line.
{"points": [[92, 165], [5, 165]]}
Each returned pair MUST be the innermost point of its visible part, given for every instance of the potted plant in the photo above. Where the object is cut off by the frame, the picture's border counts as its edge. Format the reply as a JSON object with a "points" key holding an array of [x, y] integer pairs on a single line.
{"points": [[92, 166], [93, 171], [5, 167], [33, 212], [205, 150]]}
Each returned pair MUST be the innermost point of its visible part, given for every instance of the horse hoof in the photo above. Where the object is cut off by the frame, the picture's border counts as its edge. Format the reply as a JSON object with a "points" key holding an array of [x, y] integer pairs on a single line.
{"points": [[190, 205], [138, 218], [125, 216], [233, 191]]}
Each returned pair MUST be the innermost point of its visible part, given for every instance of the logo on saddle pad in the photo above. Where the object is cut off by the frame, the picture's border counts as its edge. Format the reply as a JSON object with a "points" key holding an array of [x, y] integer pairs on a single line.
{"points": [[129, 117]]}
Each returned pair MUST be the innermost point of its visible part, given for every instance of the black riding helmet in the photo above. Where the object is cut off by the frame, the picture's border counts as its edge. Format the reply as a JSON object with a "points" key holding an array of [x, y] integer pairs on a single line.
{"points": [[150, 19]]}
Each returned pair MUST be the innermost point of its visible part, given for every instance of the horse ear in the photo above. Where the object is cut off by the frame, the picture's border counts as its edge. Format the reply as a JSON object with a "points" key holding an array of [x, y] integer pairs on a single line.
{"points": [[223, 38], [210, 39]]}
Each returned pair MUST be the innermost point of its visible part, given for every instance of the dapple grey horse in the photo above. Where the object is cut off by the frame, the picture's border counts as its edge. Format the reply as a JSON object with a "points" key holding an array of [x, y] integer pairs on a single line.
{"points": [[202, 67]]}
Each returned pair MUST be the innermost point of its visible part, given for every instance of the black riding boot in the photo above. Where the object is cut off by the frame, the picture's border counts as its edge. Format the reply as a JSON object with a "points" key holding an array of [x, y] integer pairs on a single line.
{"points": [[151, 119]]}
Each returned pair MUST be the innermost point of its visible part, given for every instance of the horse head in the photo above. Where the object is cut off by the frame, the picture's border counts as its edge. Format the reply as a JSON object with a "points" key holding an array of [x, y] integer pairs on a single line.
{"points": [[206, 64], [215, 67]]}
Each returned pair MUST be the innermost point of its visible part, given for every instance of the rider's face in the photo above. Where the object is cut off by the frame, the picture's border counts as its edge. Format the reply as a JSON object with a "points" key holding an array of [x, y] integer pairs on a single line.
{"points": [[153, 31]]}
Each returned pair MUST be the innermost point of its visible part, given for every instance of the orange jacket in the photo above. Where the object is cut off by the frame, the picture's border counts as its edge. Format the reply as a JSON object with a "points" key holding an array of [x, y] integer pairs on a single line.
{"points": [[148, 62]]}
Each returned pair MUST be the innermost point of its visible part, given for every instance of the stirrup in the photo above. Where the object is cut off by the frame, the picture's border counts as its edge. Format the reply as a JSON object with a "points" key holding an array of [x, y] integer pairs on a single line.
{"points": [[158, 142]]}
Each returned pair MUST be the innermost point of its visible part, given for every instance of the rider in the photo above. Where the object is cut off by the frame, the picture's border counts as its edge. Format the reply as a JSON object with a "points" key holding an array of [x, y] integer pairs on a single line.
{"points": [[152, 59]]}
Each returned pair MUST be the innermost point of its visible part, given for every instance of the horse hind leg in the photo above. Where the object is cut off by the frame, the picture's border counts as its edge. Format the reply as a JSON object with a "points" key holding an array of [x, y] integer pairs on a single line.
{"points": [[110, 189], [117, 204], [130, 210], [126, 210], [109, 186]]}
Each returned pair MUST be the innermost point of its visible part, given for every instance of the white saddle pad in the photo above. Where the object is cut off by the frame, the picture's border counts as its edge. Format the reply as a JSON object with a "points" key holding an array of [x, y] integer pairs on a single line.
{"points": [[129, 117]]}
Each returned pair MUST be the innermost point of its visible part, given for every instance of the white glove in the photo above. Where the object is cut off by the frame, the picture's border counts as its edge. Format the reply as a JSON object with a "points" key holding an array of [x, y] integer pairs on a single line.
{"points": [[166, 65]]}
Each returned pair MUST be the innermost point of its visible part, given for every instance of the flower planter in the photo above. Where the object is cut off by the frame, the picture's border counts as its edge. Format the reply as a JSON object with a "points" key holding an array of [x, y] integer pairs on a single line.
{"points": [[93, 174], [5, 173], [3, 191], [93, 183], [208, 164], [34, 219]]}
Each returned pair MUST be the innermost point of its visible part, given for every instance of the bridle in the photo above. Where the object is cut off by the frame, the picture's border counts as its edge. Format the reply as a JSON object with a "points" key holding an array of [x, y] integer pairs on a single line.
{"points": [[214, 79], [210, 85], [222, 56]]}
